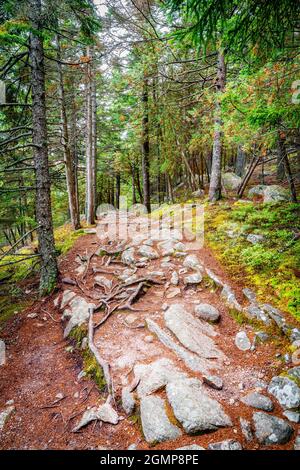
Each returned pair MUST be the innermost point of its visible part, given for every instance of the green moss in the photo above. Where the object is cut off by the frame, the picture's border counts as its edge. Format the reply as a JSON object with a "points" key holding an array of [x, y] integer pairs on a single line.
{"points": [[93, 370], [77, 334], [9, 307], [65, 238]]}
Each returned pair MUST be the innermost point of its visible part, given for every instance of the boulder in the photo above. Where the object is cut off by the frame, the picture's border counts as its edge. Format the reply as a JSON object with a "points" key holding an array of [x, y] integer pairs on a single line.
{"points": [[293, 416], [193, 279], [66, 297], [228, 295], [256, 191], [148, 252], [155, 422], [213, 381], [78, 311], [294, 372], [199, 193], [270, 430], [128, 256], [192, 261], [246, 429], [207, 312], [257, 400], [231, 181], [275, 193], [286, 391], [128, 401], [194, 409], [242, 341]]}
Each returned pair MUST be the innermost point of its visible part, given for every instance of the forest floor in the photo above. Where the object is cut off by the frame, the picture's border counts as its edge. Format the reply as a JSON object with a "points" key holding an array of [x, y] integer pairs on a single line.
{"points": [[42, 378]]}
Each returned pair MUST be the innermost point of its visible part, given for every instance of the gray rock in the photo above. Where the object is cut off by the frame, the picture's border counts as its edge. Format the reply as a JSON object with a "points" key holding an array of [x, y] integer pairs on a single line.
{"points": [[198, 193], [148, 252], [174, 278], [166, 248], [192, 361], [192, 279], [104, 282], [275, 314], [66, 297], [256, 191], [132, 447], [261, 337], [207, 312], [270, 430], [5, 415], [242, 341], [257, 400], [191, 332], [155, 422], [103, 413], [294, 372], [214, 278], [191, 447], [297, 443], [231, 181], [255, 238], [295, 334], [156, 375], [179, 246], [292, 416], [192, 261], [128, 256], [194, 409], [213, 381], [286, 391], [228, 444], [128, 401], [275, 193], [254, 311], [249, 294], [246, 429], [78, 311], [2, 353], [131, 318], [228, 295]]}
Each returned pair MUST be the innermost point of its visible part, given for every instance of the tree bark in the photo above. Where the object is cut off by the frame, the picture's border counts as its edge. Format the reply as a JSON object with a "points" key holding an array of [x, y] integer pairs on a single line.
{"points": [[215, 178], [118, 190], [146, 147], [240, 162], [70, 165], [282, 154], [49, 269], [90, 142]]}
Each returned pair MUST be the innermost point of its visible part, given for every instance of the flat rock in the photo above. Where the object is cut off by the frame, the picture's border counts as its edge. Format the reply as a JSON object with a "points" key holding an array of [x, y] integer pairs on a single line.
{"points": [[286, 391], [228, 444], [194, 409], [66, 297], [207, 312], [148, 252], [193, 279], [254, 311], [128, 256], [156, 375], [173, 292], [103, 413], [275, 314], [213, 381], [257, 400], [191, 332], [5, 415], [104, 282], [228, 295], [294, 372], [131, 318], [246, 429], [242, 341], [167, 248], [78, 311], [191, 360], [231, 181], [270, 430], [128, 401], [249, 294], [214, 278], [275, 193], [2, 353], [293, 416], [191, 447], [155, 422]]}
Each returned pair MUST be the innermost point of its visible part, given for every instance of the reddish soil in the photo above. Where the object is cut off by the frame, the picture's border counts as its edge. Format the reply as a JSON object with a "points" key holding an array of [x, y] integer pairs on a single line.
{"points": [[39, 367]]}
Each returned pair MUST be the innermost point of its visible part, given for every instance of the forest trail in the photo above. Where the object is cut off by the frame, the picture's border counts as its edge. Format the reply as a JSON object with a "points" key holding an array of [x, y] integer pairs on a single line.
{"points": [[160, 349]]}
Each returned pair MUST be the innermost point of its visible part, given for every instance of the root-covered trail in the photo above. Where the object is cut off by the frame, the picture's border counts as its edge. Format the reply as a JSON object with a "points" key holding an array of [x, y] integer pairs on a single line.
{"points": [[179, 362]]}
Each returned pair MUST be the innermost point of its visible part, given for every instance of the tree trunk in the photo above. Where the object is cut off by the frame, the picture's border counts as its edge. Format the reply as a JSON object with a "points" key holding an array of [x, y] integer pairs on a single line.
{"points": [[133, 184], [70, 165], [90, 139], [284, 159], [215, 178], [118, 190], [49, 269], [145, 147], [240, 162]]}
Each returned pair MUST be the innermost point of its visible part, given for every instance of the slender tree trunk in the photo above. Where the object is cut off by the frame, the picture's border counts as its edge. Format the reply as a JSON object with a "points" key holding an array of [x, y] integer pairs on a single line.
{"points": [[284, 159], [240, 162], [90, 164], [146, 147], [49, 269], [215, 178], [73, 141], [70, 165], [118, 190], [133, 184]]}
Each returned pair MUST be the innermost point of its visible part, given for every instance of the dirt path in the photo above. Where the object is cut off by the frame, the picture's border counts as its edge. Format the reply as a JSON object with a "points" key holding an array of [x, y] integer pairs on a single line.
{"points": [[41, 375]]}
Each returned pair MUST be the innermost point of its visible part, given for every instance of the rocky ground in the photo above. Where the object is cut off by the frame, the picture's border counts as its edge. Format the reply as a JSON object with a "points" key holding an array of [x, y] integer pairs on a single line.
{"points": [[181, 372]]}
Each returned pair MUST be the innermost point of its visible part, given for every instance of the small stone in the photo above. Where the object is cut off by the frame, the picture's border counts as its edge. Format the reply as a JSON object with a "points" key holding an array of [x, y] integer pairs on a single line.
{"points": [[261, 337], [32, 315], [242, 341], [149, 339], [4, 415], [81, 375], [191, 447], [231, 401], [270, 430], [128, 401], [297, 443], [228, 295], [2, 353], [174, 278], [164, 307], [132, 447], [104, 282], [293, 416], [84, 343], [148, 252], [173, 292], [246, 429], [191, 261], [67, 296], [128, 256], [213, 381], [59, 396], [207, 312], [250, 295], [257, 400], [9, 402], [228, 444], [255, 238], [131, 318], [76, 395]]}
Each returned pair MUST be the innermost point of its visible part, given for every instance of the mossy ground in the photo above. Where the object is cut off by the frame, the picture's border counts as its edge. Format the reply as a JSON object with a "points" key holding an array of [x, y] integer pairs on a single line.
{"points": [[271, 267]]}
